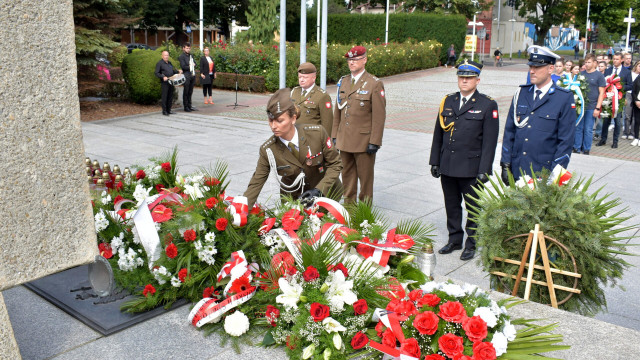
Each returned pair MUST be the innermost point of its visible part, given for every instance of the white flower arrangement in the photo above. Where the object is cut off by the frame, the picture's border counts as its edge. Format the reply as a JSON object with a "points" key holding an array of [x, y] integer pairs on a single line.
{"points": [[101, 221], [236, 324], [290, 293], [340, 291], [128, 259]]}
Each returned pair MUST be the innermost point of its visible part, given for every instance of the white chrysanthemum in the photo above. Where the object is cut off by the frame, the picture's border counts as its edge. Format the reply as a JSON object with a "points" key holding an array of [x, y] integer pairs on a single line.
{"points": [[509, 331], [453, 290], [161, 274], [175, 282], [140, 193], [128, 259], [290, 293], [206, 252], [209, 237], [487, 315], [105, 198], [500, 343], [101, 221], [340, 291], [430, 287], [236, 324]]}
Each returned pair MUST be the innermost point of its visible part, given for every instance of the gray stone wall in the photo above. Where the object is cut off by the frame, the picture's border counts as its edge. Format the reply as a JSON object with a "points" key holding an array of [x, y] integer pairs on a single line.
{"points": [[8, 345], [47, 224]]}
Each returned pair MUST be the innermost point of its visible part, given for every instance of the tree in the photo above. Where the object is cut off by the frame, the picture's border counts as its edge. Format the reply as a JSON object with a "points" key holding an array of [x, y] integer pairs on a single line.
{"points": [[544, 14], [607, 14], [463, 7], [261, 16]]}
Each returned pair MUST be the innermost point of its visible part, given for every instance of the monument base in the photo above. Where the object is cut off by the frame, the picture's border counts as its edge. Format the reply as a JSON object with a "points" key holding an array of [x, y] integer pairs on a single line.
{"points": [[8, 346]]}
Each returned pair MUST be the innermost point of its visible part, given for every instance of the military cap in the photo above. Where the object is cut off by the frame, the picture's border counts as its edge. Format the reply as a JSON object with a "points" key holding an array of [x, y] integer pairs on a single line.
{"points": [[307, 68], [356, 51], [469, 68], [541, 56], [279, 103]]}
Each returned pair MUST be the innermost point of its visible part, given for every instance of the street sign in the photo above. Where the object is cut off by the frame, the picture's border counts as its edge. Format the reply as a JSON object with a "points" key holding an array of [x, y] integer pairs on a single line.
{"points": [[470, 43]]}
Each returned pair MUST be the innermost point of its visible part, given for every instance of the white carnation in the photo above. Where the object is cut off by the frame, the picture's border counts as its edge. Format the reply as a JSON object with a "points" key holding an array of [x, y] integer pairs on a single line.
{"points": [[140, 193], [236, 324], [509, 331], [430, 287], [487, 315], [499, 342], [453, 290], [105, 198]]}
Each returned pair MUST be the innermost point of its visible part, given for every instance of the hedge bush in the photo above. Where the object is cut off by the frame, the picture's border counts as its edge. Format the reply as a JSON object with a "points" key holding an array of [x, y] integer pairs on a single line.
{"points": [[138, 71], [117, 55]]}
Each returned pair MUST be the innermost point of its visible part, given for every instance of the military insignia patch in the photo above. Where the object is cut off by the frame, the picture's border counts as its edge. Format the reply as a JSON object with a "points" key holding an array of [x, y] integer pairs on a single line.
{"points": [[329, 143], [382, 93], [328, 104], [573, 105], [495, 114]]}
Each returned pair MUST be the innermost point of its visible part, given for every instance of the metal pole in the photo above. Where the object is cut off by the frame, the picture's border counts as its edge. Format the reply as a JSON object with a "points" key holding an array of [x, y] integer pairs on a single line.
{"points": [[513, 20], [323, 46], [201, 26], [586, 31], [475, 41], [318, 21], [303, 31], [283, 44], [499, 4], [386, 28]]}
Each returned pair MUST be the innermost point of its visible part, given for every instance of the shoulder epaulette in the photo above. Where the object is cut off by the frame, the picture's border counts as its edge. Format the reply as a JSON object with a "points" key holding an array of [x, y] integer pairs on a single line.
{"points": [[525, 85], [321, 89], [487, 96], [269, 142], [560, 88], [292, 90], [375, 78], [312, 127]]}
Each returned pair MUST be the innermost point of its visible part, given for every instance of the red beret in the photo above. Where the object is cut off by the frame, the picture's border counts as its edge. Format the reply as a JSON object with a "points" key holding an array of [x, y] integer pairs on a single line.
{"points": [[356, 51]]}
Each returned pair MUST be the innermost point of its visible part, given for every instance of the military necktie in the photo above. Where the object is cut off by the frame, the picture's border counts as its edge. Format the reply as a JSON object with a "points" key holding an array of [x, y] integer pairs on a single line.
{"points": [[293, 149], [464, 102], [538, 95], [353, 81], [304, 92]]}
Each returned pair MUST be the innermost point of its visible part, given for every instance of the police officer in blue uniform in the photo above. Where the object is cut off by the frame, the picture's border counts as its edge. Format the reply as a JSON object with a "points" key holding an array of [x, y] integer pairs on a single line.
{"points": [[462, 152], [540, 127]]}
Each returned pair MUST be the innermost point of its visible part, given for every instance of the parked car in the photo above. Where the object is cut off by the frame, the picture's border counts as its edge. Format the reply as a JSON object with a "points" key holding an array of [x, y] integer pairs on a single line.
{"points": [[132, 46]]}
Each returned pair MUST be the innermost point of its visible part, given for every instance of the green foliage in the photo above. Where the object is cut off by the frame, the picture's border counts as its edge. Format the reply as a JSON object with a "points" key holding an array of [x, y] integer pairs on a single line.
{"points": [[117, 56], [261, 16], [91, 42], [545, 14], [588, 224], [462, 7], [138, 71]]}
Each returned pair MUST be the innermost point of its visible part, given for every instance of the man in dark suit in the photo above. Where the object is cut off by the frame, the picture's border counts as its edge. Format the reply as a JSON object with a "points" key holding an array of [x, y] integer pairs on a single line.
{"points": [[189, 69], [463, 148], [627, 84], [165, 70]]}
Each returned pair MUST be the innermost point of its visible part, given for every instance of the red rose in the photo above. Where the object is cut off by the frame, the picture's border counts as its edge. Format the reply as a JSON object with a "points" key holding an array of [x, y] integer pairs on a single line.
{"points": [[462, 356], [211, 202], [291, 220], [341, 268], [166, 167], [410, 347], [221, 224], [475, 328], [434, 357], [310, 274], [149, 289], [404, 308], [182, 274], [453, 311], [140, 175], [292, 270], [415, 295], [159, 187], [272, 314], [380, 328], [450, 344], [208, 292], [319, 311], [161, 213], [211, 181], [389, 339], [189, 235], [430, 300], [360, 307], [171, 251], [426, 323], [359, 340], [105, 250], [484, 351]]}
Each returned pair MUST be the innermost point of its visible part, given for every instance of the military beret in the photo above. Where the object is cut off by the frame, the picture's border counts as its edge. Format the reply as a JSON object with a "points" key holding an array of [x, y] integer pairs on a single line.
{"points": [[279, 102], [469, 68], [541, 56], [356, 51], [307, 68]]}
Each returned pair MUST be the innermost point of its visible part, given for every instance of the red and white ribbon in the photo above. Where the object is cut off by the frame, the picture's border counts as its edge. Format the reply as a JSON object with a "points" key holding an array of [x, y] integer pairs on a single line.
{"points": [[291, 241], [338, 211], [390, 320], [382, 251], [239, 209], [209, 310]]}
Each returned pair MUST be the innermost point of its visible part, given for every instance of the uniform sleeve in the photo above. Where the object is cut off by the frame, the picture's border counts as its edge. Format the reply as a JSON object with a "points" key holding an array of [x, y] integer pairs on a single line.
{"points": [[326, 113], [378, 113], [566, 133], [508, 137], [259, 178], [337, 113], [436, 143], [490, 129], [332, 163]]}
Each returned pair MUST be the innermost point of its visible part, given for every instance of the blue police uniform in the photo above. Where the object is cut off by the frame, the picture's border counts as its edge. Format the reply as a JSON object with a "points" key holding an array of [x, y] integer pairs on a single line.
{"points": [[542, 135]]}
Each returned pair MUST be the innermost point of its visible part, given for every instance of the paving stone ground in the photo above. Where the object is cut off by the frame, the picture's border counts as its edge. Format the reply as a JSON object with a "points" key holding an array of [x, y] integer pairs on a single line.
{"points": [[403, 189]]}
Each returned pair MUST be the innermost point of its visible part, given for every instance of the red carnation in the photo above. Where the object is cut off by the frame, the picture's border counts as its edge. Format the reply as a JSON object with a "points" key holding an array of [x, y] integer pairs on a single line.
{"points": [[434, 357], [451, 344], [341, 268], [310, 274], [319, 312], [453, 311], [360, 307], [411, 347], [389, 339], [292, 270], [166, 167], [171, 251], [256, 210], [159, 187], [359, 340], [272, 314], [140, 175], [484, 351], [430, 300], [161, 213], [105, 250], [426, 323], [182, 274], [211, 202], [291, 220], [149, 289], [475, 328], [221, 224], [211, 181], [208, 292], [117, 198], [189, 235]]}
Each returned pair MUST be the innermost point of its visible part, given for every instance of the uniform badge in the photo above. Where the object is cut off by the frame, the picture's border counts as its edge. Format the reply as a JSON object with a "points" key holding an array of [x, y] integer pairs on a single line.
{"points": [[321, 169], [329, 143], [573, 105], [328, 104], [382, 93], [361, 103], [495, 114]]}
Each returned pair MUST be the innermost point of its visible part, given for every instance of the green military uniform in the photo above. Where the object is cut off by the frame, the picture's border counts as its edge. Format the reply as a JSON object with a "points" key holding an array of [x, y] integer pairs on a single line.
{"points": [[315, 107]]}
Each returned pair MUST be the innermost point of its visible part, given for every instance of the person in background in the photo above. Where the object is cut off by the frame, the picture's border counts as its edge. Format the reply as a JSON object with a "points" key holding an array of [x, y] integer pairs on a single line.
{"points": [[629, 119], [207, 74], [576, 50], [451, 56], [313, 101], [627, 59], [496, 56], [602, 66], [595, 95], [567, 68], [616, 70], [635, 94], [165, 70], [558, 70], [575, 70], [189, 69]]}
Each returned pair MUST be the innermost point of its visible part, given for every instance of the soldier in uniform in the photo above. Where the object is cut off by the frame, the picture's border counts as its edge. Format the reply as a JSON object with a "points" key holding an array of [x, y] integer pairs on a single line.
{"points": [[462, 152], [358, 124], [313, 101], [540, 127], [303, 155]]}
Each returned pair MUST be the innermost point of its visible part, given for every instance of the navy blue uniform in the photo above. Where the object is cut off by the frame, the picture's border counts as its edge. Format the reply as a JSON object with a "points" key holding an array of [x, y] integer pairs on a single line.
{"points": [[546, 139]]}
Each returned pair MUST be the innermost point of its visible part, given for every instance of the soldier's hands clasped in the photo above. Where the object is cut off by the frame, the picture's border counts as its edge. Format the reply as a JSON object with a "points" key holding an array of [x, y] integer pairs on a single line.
{"points": [[483, 178], [372, 149], [308, 196], [505, 172], [435, 171]]}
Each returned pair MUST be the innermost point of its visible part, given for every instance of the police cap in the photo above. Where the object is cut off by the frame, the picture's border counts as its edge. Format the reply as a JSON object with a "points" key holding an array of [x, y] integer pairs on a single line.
{"points": [[541, 56], [469, 68]]}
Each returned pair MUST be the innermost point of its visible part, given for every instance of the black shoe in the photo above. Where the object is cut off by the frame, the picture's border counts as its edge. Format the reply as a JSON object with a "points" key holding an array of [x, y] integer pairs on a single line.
{"points": [[187, 110], [586, 152], [576, 151], [171, 112], [449, 248], [193, 109], [467, 254], [165, 113], [614, 145], [600, 143], [596, 138]]}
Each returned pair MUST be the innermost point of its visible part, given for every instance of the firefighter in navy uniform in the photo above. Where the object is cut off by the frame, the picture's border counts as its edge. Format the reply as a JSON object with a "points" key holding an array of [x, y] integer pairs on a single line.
{"points": [[462, 152], [541, 124]]}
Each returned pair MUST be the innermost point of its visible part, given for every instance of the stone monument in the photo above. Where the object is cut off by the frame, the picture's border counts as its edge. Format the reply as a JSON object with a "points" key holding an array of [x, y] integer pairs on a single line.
{"points": [[47, 224]]}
